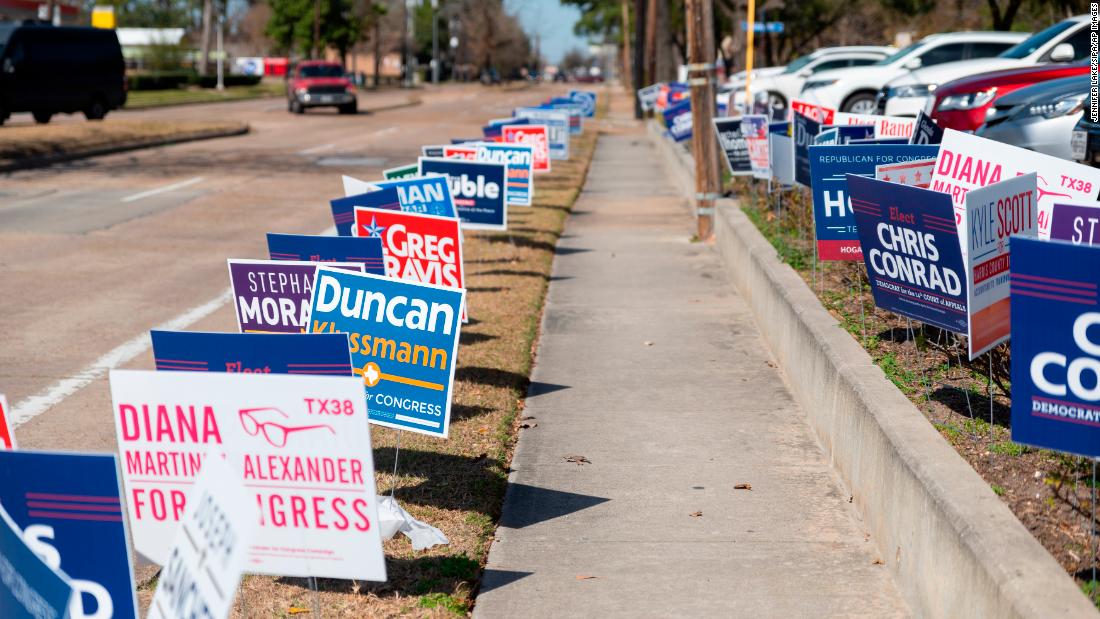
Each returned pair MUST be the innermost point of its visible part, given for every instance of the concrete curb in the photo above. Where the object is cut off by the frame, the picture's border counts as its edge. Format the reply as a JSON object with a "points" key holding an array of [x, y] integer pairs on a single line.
{"points": [[48, 160], [954, 548]]}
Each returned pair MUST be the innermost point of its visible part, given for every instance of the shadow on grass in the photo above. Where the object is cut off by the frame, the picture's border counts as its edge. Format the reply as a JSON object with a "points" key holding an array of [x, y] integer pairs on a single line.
{"points": [[466, 338], [955, 399], [486, 288]]}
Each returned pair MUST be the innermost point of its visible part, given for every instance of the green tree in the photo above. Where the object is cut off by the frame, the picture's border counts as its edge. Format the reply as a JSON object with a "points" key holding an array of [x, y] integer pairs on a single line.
{"points": [[291, 25], [600, 19]]}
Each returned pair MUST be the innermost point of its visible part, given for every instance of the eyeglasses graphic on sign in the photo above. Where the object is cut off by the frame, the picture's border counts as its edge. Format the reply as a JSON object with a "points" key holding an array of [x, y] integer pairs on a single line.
{"points": [[274, 433]]}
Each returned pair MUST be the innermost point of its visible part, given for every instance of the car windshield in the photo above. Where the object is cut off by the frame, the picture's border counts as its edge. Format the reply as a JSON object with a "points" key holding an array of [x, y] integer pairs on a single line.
{"points": [[798, 63], [322, 70], [901, 53], [1028, 46]]}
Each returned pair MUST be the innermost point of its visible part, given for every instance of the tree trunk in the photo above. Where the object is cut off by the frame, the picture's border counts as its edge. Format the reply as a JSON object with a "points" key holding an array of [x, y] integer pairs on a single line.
{"points": [[651, 43], [666, 45], [207, 30], [638, 75], [377, 50], [628, 73]]}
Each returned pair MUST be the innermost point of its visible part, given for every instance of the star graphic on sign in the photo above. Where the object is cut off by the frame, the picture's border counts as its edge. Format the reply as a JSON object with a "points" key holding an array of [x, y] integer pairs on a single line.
{"points": [[886, 177], [374, 229], [917, 175], [371, 374], [902, 179]]}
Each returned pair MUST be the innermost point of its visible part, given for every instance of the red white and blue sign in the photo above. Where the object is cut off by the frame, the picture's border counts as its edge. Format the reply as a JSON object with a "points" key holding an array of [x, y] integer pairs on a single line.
{"points": [[343, 209], [478, 189], [69, 508], [29, 589], [252, 353], [328, 249], [678, 121], [834, 225], [911, 250], [520, 160], [1055, 307], [557, 128], [423, 195], [403, 338]]}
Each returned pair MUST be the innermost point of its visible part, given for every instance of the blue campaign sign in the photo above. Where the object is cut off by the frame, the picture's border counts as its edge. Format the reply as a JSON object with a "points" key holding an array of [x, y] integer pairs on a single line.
{"points": [[29, 589], [848, 133], [557, 128], [834, 225], [252, 353], [328, 249], [881, 141], [520, 159], [403, 338], [1055, 314], [926, 131], [586, 99], [911, 250], [678, 120], [827, 136], [343, 209], [805, 129], [69, 508], [576, 112], [478, 188], [782, 127], [423, 195]]}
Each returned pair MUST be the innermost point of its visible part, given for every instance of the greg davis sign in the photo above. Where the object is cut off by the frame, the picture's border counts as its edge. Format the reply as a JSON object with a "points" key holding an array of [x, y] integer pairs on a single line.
{"points": [[1056, 346], [301, 445], [478, 190], [418, 248], [911, 250], [403, 338], [272, 296]]}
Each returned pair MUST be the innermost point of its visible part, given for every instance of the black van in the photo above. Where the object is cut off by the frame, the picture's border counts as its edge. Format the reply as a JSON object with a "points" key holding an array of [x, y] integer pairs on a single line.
{"points": [[47, 69]]}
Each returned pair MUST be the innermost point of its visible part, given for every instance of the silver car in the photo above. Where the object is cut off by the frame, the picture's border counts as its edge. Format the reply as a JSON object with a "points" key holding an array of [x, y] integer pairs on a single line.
{"points": [[1040, 117]]}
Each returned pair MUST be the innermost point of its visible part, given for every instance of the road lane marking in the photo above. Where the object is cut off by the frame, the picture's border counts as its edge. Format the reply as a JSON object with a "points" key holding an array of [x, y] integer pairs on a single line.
{"points": [[166, 188], [46, 399], [317, 149]]}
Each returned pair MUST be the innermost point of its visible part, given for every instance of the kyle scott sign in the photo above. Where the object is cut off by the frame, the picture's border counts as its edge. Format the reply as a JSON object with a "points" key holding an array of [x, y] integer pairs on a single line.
{"points": [[911, 250], [1056, 346], [301, 247], [478, 190], [301, 445], [834, 224], [272, 296], [403, 339], [251, 353]]}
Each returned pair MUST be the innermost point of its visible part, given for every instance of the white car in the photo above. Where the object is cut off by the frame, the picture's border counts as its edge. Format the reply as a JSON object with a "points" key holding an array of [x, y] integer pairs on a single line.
{"points": [[736, 84], [1066, 41], [780, 88], [854, 89]]}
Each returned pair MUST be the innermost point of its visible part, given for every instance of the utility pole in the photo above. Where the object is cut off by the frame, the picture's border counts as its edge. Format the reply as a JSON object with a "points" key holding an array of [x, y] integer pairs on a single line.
{"points": [[639, 52], [651, 43], [700, 35], [405, 68], [435, 42], [221, 52], [207, 26]]}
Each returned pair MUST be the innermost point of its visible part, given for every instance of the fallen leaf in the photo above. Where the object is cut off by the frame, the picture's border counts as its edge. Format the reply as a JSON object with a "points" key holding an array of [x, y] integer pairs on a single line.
{"points": [[527, 418], [648, 343], [695, 514], [877, 562], [297, 610], [743, 487], [529, 425], [579, 460], [586, 577]]}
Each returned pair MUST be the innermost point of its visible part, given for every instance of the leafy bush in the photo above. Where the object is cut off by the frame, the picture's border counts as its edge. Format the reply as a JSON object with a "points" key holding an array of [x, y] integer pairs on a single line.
{"points": [[160, 80]]}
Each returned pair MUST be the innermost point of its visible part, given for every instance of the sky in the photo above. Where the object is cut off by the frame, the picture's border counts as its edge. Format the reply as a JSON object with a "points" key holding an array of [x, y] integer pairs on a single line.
{"points": [[553, 22]]}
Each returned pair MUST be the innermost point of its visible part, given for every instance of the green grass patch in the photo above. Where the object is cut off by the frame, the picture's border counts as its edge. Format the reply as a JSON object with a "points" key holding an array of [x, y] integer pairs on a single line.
{"points": [[156, 98], [446, 602]]}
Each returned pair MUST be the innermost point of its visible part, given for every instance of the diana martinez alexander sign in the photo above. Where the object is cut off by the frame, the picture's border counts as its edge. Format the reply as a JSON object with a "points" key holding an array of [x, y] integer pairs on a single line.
{"points": [[272, 296], [911, 250], [403, 338], [1056, 346], [301, 445]]}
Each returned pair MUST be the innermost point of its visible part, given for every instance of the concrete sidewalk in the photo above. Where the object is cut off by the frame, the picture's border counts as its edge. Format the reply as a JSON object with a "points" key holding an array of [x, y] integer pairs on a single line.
{"points": [[652, 378]]}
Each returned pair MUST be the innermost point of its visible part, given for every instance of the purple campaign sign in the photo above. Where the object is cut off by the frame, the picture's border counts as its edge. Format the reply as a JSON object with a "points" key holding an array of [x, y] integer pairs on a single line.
{"points": [[1077, 223], [273, 296]]}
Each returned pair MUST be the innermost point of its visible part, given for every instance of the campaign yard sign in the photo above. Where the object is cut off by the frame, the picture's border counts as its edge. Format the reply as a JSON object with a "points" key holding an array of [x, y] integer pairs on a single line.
{"points": [[925, 130], [272, 296], [913, 173], [586, 99], [478, 189], [648, 96], [781, 151], [469, 153], [251, 353], [911, 250], [418, 248], [400, 172], [846, 133], [755, 129], [7, 437], [995, 215], [827, 137], [967, 162], [557, 128], [884, 126], [534, 136], [817, 113], [804, 131], [1076, 223], [210, 549], [520, 184], [343, 209], [834, 225], [678, 121], [304, 247], [1056, 345], [68, 506], [435, 150], [424, 194], [301, 445], [732, 141], [29, 589], [403, 339]]}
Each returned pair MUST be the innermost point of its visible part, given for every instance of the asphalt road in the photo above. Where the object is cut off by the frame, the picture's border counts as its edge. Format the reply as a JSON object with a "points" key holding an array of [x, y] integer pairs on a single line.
{"points": [[95, 253]]}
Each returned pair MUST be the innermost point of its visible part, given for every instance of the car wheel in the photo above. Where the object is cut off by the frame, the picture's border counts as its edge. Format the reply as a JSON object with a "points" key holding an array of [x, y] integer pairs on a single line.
{"points": [[860, 103], [3, 113], [96, 109], [41, 117], [296, 107], [350, 108]]}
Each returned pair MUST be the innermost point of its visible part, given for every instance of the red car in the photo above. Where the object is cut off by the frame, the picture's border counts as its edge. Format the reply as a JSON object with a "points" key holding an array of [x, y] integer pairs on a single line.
{"points": [[318, 83], [964, 103]]}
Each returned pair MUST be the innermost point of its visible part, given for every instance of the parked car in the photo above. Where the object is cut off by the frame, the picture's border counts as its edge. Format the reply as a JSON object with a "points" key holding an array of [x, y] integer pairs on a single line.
{"points": [[1085, 140], [854, 89], [319, 83], [964, 104], [1040, 117], [47, 70], [780, 88], [735, 86], [1065, 41]]}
